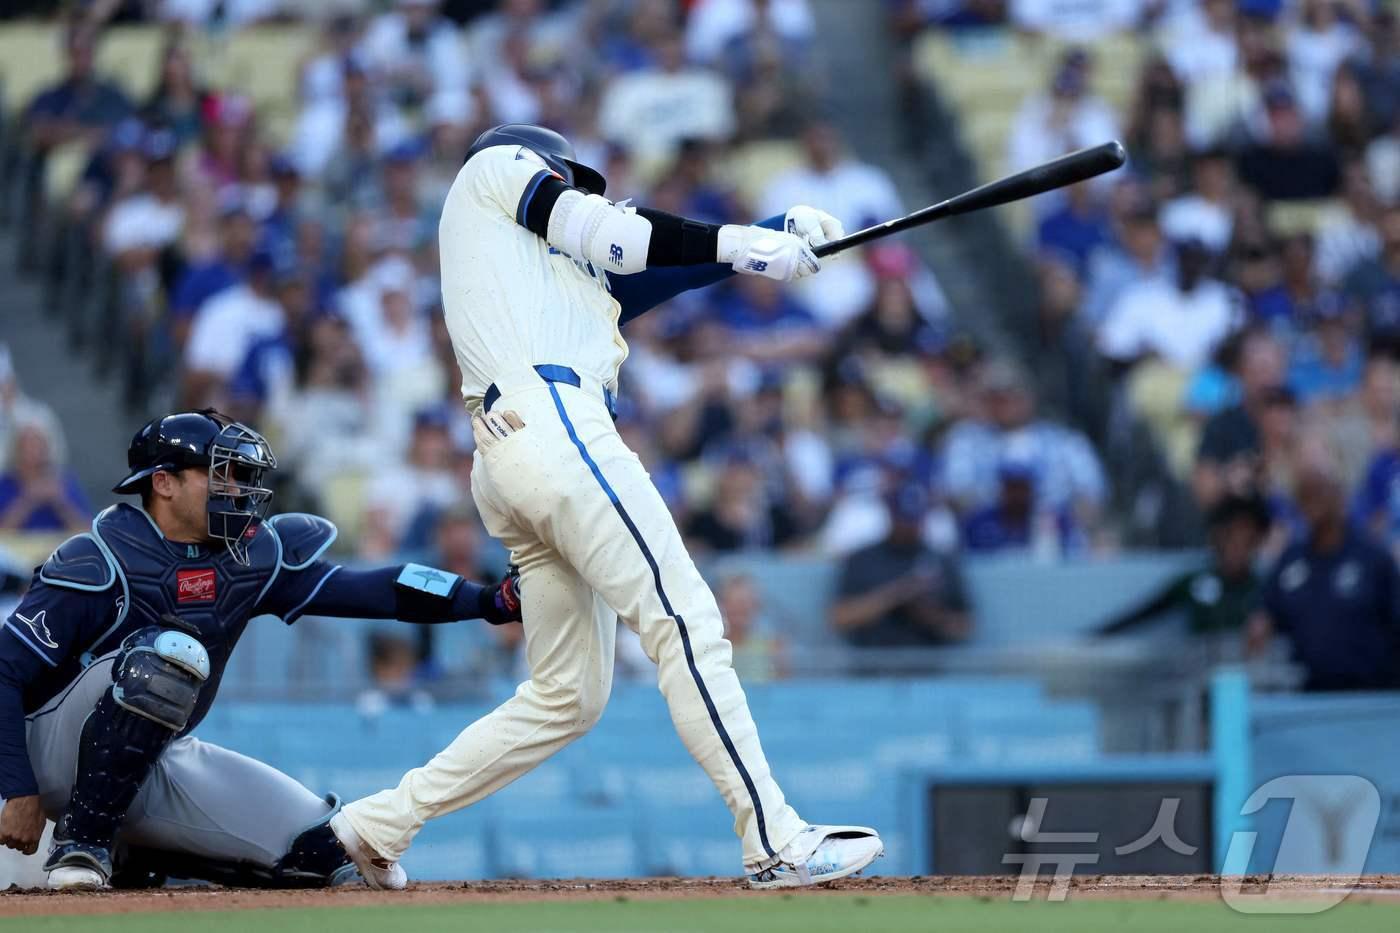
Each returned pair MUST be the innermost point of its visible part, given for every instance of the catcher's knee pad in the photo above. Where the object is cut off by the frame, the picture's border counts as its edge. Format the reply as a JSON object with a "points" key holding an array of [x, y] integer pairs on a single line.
{"points": [[155, 684], [315, 858]]}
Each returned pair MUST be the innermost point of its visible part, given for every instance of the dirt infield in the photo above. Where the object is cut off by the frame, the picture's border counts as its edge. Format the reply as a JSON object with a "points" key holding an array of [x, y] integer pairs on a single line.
{"points": [[1127, 887]]}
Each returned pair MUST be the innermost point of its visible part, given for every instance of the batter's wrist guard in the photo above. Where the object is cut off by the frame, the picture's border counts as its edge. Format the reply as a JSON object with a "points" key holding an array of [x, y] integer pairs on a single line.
{"points": [[500, 604]]}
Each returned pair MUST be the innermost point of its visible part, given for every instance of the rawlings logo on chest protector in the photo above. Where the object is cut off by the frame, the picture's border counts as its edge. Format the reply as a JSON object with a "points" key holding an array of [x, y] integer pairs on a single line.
{"points": [[195, 586]]}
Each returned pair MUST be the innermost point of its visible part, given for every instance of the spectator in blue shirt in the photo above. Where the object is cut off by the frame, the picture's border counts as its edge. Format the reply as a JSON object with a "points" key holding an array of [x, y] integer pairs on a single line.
{"points": [[1013, 523], [35, 493], [1076, 229], [81, 106], [1328, 364], [205, 277], [1335, 593], [1376, 505]]}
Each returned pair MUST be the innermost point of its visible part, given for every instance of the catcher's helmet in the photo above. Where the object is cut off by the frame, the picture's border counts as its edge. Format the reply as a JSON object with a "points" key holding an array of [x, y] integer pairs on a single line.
{"points": [[557, 152], [235, 456]]}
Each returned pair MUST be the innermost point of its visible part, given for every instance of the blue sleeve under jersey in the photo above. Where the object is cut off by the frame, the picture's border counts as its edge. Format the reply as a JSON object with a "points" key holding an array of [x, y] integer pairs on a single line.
{"points": [[325, 589], [39, 645], [643, 291]]}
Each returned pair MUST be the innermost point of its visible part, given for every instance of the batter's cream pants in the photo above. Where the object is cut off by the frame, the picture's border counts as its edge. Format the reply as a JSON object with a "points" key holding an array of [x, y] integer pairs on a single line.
{"points": [[594, 541]]}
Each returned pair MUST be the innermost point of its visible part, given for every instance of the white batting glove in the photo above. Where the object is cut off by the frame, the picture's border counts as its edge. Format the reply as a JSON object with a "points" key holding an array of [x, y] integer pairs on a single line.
{"points": [[815, 226], [769, 253]]}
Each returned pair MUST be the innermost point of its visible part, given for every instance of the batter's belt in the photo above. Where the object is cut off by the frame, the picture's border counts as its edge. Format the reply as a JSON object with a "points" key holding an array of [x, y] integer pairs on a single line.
{"points": [[550, 372]]}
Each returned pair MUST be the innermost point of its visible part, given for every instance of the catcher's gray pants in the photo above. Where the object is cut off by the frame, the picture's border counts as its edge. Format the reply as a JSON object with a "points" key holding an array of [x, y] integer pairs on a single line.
{"points": [[199, 799]]}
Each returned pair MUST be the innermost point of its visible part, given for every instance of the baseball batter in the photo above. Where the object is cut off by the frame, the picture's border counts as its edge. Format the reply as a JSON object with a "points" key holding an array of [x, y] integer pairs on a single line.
{"points": [[538, 272]]}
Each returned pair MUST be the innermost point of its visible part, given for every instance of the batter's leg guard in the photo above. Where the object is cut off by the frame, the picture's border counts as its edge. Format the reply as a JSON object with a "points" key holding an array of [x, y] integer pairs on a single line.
{"points": [[155, 684]]}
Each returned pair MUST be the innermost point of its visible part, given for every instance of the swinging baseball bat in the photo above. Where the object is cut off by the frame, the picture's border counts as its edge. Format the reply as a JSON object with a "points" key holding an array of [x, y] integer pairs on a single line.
{"points": [[1057, 173]]}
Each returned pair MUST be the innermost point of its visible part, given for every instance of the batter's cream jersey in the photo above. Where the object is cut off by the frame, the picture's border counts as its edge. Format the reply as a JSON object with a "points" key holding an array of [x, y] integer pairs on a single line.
{"points": [[511, 299]]}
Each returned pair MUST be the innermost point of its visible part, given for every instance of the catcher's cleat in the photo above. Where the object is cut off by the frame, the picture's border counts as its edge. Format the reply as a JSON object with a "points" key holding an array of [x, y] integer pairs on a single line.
{"points": [[75, 866], [818, 854]]}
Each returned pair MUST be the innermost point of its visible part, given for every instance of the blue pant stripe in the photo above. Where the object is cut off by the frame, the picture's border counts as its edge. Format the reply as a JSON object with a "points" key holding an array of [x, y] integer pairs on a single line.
{"points": [[680, 623]]}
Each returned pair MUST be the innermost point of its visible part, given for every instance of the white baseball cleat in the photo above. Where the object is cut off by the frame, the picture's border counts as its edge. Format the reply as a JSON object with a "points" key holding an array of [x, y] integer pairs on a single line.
{"points": [[379, 873], [818, 854], [76, 878]]}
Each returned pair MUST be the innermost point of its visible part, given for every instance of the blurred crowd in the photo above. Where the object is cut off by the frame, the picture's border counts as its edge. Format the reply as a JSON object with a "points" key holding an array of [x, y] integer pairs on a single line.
{"points": [[1241, 283]]}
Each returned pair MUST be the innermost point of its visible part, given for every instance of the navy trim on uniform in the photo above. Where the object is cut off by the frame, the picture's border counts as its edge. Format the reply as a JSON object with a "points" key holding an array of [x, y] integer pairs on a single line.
{"points": [[680, 623], [295, 614], [530, 190]]}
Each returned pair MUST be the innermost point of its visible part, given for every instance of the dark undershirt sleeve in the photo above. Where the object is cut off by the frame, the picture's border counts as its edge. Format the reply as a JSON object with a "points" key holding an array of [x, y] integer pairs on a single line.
{"points": [[638, 294], [19, 665], [333, 590]]}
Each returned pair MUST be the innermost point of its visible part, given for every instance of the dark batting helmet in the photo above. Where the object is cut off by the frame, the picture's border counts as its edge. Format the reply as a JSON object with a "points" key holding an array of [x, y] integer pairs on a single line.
{"points": [[557, 152], [235, 456]]}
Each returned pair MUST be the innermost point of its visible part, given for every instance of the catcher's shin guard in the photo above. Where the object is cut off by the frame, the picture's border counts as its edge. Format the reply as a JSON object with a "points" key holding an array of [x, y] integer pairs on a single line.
{"points": [[155, 684]]}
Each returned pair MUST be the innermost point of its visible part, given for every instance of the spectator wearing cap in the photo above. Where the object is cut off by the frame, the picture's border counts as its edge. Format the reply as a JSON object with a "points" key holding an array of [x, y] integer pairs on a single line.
{"points": [[1227, 460], [856, 193], [1180, 320], [36, 493], [1206, 212], [1220, 596], [1335, 594], [1014, 523], [141, 226], [227, 325], [266, 378], [897, 592], [1349, 235], [1069, 117], [1376, 285], [393, 335], [768, 324], [280, 226], [400, 492], [653, 109], [205, 276], [80, 105], [335, 135], [1327, 364], [1138, 254], [1286, 163], [1076, 229], [414, 52], [1069, 475], [742, 513], [402, 221]]}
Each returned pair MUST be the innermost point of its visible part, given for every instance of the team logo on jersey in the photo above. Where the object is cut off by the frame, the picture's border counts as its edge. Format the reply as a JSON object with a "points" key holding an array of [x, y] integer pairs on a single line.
{"points": [[195, 586], [39, 627]]}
